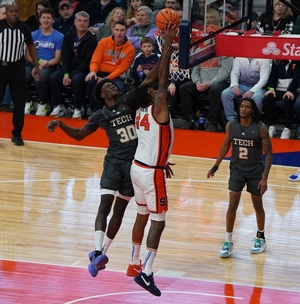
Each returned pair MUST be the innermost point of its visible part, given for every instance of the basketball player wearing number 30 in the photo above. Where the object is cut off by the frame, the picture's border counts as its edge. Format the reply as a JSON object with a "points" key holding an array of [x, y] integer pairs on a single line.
{"points": [[248, 137]]}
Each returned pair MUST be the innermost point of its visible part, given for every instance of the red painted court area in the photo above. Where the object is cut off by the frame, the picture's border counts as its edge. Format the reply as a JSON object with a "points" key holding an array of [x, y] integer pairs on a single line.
{"points": [[41, 283]]}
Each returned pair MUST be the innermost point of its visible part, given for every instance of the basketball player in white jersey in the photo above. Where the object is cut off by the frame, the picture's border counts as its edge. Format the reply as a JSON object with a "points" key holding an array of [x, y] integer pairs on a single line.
{"points": [[150, 168]]}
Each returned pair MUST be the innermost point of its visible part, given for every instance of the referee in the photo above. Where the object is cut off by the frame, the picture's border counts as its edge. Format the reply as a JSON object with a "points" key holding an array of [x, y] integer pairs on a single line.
{"points": [[14, 34]]}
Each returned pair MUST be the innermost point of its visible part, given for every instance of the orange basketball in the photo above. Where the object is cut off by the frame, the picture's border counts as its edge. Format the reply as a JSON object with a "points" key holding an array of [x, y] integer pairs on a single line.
{"points": [[166, 15]]}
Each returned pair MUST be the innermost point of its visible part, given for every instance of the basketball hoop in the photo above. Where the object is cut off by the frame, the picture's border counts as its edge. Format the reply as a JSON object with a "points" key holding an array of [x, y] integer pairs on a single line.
{"points": [[175, 72]]}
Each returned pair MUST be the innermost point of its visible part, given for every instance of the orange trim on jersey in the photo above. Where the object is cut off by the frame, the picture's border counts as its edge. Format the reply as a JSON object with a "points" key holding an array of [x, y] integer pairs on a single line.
{"points": [[160, 191]]}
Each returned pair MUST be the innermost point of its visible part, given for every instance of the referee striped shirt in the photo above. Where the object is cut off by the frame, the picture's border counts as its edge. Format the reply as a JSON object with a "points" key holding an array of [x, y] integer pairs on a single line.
{"points": [[13, 40]]}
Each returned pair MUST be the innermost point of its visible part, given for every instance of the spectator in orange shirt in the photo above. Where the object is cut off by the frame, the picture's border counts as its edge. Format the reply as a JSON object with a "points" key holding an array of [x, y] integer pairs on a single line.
{"points": [[112, 57]]}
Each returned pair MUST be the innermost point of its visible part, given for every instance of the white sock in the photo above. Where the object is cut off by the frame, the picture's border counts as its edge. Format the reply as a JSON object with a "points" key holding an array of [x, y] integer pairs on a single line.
{"points": [[228, 236], [135, 254], [148, 263], [107, 242], [99, 236]]}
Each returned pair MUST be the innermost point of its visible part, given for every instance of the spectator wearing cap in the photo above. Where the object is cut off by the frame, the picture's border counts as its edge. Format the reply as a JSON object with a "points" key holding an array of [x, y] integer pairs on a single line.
{"points": [[77, 6], [65, 22], [255, 20]]}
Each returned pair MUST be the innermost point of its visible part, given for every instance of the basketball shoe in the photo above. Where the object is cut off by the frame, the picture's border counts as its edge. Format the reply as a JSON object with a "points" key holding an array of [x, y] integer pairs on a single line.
{"points": [[147, 282], [133, 270], [295, 177], [226, 249], [259, 245], [97, 262]]}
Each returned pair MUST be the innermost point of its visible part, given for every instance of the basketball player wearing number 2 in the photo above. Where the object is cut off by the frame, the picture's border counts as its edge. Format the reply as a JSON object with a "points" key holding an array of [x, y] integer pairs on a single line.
{"points": [[151, 167], [248, 137]]}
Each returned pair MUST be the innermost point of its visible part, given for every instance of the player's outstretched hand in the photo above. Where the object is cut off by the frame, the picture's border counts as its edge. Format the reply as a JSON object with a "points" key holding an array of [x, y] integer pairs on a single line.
{"points": [[52, 125], [169, 171], [169, 32]]}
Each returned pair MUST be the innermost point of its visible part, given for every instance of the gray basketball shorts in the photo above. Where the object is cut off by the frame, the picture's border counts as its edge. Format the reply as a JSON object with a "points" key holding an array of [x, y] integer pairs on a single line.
{"points": [[116, 176], [238, 179]]}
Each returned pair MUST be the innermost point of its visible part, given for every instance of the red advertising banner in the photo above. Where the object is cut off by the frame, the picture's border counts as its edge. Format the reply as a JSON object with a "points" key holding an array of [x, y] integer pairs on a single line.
{"points": [[255, 45]]}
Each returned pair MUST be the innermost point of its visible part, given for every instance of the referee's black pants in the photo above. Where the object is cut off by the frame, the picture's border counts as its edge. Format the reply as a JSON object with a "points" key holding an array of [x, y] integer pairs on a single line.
{"points": [[14, 75]]}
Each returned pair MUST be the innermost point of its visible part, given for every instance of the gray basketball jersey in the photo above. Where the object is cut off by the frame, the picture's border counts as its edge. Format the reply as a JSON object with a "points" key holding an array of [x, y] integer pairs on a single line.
{"points": [[246, 146]]}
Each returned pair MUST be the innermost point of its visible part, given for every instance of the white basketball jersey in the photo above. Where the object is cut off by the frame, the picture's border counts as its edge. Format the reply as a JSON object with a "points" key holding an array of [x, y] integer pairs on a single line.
{"points": [[155, 140]]}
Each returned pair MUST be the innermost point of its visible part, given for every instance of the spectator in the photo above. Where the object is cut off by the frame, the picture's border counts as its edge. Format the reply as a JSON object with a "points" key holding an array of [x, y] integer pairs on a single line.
{"points": [[255, 21], [210, 78], [49, 43], [144, 61], [33, 21], [212, 17], [112, 57], [77, 50], [132, 11], [282, 19], [173, 4], [77, 6], [65, 22], [106, 29], [282, 84], [143, 28], [99, 10], [247, 80], [15, 34]]}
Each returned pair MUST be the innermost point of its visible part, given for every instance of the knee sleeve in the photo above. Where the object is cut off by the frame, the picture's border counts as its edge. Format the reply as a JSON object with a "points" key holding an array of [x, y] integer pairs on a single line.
{"points": [[142, 209], [159, 217], [124, 197]]}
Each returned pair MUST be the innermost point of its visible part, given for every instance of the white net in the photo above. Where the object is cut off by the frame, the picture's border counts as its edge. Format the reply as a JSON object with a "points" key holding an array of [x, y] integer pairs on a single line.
{"points": [[175, 72]]}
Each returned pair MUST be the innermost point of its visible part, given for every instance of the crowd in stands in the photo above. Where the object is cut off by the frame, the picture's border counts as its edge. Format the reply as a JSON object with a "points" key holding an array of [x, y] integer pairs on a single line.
{"points": [[80, 42]]}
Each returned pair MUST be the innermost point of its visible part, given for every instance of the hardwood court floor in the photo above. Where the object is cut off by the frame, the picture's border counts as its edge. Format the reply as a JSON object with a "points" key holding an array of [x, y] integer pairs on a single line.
{"points": [[48, 202]]}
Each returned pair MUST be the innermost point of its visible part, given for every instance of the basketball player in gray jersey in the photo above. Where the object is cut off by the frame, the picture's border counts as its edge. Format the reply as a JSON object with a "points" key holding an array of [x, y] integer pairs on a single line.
{"points": [[248, 137]]}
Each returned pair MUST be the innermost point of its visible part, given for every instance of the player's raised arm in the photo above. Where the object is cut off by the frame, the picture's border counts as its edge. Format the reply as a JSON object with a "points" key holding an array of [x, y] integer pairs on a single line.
{"points": [[161, 112]]}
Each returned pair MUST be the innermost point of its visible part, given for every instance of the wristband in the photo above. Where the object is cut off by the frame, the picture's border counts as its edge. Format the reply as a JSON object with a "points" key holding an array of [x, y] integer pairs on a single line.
{"points": [[66, 74], [269, 88], [214, 169], [39, 61]]}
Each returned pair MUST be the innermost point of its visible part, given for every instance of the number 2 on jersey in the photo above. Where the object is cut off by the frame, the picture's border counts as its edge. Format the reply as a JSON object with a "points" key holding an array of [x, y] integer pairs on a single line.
{"points": [[142, 122], [243, 153]]}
